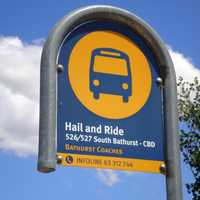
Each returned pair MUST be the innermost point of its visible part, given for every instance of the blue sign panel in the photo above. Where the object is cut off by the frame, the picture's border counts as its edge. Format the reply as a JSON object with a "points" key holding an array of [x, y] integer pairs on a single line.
{"points": [[109, 105]]}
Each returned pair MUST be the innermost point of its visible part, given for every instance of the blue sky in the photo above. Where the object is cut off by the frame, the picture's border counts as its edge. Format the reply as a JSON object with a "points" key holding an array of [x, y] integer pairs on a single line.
{"points": [[23, 24]]}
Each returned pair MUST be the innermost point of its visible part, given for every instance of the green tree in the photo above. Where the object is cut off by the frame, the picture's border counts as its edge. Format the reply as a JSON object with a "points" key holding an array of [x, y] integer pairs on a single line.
{"points": [[189, 118]]}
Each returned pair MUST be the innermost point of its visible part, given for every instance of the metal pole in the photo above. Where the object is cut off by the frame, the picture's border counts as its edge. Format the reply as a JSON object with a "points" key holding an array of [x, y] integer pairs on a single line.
{"points": [[173, 173], [47, 125]]}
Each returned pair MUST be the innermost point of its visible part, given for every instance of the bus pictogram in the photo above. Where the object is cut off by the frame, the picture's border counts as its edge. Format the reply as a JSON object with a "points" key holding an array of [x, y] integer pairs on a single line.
{"points": [[110, 73]]}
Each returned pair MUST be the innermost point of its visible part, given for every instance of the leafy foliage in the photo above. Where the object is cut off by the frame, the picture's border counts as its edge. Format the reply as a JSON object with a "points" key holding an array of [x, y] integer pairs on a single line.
{"points": [[189, 118]]}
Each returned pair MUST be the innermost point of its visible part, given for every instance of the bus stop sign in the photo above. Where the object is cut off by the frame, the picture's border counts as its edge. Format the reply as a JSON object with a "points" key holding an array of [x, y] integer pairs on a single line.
{"points": [[109, 102], [108, 96]]}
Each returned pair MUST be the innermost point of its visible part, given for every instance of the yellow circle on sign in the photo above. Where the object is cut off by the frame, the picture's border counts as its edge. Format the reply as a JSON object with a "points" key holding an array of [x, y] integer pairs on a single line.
{"points": [[100, 96], [96, 82], [125, 86]]}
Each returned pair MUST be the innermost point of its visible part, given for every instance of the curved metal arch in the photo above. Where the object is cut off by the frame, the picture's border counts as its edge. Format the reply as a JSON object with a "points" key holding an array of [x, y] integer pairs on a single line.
{"points": [[47, 128]]}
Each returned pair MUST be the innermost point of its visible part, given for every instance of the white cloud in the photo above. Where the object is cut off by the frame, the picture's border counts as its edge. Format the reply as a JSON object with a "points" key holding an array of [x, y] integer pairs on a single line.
{"points": [[108, 176], [19, 97], [184, 66], [19, 86]]}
